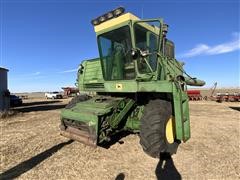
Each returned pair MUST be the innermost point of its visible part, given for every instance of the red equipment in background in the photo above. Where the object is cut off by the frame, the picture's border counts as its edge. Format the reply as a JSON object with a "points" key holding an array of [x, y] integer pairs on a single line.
{"points": [[230, 97], [194, 95], [70, 91]]}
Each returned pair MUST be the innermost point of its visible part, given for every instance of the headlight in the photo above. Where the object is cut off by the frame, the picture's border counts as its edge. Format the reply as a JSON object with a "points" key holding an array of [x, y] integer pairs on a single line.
{"points": [[109, 15]]}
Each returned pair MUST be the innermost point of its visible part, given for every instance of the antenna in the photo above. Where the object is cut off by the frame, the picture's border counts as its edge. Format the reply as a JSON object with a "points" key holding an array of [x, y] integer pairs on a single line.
{"points": [[142, 13]]}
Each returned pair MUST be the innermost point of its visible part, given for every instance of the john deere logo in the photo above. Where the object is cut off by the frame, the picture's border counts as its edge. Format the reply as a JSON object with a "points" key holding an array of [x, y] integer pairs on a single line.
{"points": [[119, 86]]}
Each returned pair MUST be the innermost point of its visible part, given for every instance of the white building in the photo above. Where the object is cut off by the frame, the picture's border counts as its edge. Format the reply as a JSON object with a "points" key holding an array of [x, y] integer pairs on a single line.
{"points": [[4, 93]]}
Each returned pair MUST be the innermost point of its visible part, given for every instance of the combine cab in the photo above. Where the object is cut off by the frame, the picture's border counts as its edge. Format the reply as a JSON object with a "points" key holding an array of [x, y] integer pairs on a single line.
{"points": [[138, 84]]}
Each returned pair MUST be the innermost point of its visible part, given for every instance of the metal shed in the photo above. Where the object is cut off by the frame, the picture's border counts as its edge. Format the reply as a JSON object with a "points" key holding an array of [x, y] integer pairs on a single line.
{"points": [[4, 92]]}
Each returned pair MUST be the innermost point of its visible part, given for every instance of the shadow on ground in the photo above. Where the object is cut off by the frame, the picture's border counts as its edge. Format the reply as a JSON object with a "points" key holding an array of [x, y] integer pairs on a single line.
{"points": [[115, 139], [40, 108], [235, 108], [120, 176], [27, 165], [40, 103], [166, 168]]}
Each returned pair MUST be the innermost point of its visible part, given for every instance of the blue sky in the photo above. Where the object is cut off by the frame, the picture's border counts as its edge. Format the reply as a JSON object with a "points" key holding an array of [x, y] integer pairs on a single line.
{"points": [[44, 41]]}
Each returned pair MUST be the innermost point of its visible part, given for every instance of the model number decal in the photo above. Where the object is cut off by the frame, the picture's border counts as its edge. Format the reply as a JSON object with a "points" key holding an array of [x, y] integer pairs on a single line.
{"points": [[119, 86]]}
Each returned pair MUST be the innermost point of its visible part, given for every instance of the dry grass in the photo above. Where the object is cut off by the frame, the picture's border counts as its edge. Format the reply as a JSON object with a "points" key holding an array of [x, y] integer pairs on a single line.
{"points": [[31, 148]]}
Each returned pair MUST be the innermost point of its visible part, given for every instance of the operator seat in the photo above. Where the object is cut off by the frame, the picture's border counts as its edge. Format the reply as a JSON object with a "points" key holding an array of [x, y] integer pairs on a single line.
{"points": [[118, 63]]}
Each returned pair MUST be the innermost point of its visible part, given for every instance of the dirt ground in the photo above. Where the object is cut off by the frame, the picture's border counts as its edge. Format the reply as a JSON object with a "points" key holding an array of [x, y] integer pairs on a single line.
{"points": [[31, 148]]}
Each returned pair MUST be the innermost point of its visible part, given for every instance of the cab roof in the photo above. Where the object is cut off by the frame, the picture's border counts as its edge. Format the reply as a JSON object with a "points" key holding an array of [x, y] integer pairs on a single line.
{"points": [[115, 21]]}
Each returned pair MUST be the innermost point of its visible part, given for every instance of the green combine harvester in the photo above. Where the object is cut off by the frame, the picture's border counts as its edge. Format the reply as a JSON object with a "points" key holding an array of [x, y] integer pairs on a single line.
{"points": [[138, 84]]}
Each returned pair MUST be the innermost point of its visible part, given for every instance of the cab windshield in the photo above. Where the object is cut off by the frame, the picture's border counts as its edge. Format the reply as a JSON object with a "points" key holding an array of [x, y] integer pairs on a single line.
{"points": [[147, 41], [115, 52]]}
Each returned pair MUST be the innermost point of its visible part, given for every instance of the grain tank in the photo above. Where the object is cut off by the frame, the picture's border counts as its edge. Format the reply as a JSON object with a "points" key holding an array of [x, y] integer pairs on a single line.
{"points": [[4, 93]]}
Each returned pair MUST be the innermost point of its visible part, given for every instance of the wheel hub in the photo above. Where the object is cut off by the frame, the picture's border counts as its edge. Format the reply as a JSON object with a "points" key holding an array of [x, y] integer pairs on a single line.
{"points": [[169, 131]]}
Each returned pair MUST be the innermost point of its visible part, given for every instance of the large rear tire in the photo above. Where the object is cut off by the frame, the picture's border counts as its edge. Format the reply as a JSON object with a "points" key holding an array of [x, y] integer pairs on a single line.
{"points": [[157, 131]]}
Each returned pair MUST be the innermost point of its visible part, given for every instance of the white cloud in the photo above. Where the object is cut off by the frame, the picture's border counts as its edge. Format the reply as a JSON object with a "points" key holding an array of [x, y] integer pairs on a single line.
{"points": [[30, 74], [199, 49], [22, 78], [69, 71], [36, 74], [204, 49]]}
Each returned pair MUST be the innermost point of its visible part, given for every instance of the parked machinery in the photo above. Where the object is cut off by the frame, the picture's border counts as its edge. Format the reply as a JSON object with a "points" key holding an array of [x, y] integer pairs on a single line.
{"points": [[223, 96], [140, 87], [228, 97], [70, 91], [194, 95]]}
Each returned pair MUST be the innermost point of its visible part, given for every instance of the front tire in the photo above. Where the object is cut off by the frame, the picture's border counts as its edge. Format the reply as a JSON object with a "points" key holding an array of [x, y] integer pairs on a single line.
{"points": [[157, 132]]}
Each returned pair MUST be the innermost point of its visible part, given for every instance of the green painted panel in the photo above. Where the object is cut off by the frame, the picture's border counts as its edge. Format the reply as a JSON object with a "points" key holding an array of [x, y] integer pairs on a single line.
{"points": [[87, 117], [134, 86], [181, 111], [178, 113], [121, 86]]}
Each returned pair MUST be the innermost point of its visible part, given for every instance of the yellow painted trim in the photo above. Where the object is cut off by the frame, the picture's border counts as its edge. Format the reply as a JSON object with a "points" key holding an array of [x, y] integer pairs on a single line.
{"points": [[169, 131], [123, 18], [115, 21]]}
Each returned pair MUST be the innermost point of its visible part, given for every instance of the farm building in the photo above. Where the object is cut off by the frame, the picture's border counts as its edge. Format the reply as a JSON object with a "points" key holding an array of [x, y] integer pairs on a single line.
{"points": [[4, 93]]}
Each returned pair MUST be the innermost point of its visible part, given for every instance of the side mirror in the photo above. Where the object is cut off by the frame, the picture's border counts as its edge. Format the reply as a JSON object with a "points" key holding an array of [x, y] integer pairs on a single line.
{"points": [[80, 70], [145, 53], [135, 54]]}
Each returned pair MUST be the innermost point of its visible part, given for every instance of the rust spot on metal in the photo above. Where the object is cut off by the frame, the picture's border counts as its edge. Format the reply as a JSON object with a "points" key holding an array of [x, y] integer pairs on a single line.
{"points": [[78, 135]]}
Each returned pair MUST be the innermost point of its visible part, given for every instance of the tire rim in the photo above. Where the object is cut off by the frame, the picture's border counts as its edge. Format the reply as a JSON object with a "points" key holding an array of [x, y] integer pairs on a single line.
{"points": [[169, 131]]}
